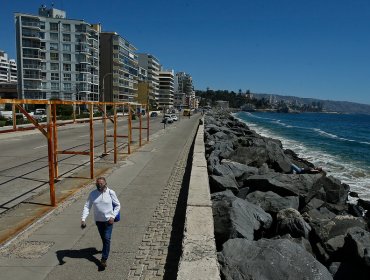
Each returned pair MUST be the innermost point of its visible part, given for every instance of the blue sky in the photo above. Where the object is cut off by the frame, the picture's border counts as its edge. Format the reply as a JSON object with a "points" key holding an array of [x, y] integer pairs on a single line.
{"points": [[318, 49]]}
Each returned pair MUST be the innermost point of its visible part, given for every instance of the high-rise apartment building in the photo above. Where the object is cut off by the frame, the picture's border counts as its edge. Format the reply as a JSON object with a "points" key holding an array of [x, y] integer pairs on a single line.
{"points": [[151, 64], [142, 86], [166, 89], [8, 69], [184, 90], [118, 68], [57, 57]]}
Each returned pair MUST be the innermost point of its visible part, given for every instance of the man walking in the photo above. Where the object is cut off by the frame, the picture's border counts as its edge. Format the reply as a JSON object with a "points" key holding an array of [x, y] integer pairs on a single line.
{"points": [[106, 207]]}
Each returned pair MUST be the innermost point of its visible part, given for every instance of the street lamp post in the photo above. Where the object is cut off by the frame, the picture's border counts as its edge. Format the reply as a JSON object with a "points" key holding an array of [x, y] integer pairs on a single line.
{"points": [[103, 93], [104, 119]]}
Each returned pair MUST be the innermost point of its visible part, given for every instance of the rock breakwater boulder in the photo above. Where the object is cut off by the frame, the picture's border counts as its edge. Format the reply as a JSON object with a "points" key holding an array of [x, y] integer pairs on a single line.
{"points": [[283, 259], [255, 197]]}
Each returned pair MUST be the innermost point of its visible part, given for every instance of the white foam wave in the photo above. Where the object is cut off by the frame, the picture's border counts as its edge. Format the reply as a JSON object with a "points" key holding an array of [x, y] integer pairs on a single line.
{"points": [[355, 175], [322, 132], [330, 135]]}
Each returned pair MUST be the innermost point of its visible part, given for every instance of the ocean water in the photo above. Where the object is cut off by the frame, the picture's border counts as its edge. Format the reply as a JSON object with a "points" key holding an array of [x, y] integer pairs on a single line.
{"points": [[339, 143]]}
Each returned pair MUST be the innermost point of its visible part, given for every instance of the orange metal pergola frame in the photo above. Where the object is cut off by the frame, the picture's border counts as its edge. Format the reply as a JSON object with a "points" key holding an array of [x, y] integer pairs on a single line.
{"points": [[51, 132]]}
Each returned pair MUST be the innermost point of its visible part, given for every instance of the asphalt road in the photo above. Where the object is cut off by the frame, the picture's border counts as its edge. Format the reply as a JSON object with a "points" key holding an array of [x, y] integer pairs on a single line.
{"points": [[24, 159]]}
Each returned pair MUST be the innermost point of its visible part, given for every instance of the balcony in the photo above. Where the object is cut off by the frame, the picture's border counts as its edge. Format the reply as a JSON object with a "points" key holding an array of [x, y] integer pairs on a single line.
{"points": [[31, 24], [32, 76], [31, 35]]}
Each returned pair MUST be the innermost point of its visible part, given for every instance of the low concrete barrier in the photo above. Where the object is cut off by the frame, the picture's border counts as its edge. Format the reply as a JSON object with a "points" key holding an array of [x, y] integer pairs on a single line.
{"points": [[199, 260]]}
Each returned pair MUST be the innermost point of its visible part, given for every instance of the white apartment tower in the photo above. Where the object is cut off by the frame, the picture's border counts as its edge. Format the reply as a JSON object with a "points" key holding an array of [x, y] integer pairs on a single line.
{"points": [[58, 58], [151, 64], [166, 88], [8, 69]]}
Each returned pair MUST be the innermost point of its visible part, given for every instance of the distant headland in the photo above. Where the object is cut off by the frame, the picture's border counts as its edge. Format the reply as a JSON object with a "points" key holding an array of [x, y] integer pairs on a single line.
{"points": [[249, 101]]}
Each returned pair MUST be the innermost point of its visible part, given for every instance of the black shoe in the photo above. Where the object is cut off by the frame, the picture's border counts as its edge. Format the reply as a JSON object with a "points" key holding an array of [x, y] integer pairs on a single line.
{"points": [[103, 263]]}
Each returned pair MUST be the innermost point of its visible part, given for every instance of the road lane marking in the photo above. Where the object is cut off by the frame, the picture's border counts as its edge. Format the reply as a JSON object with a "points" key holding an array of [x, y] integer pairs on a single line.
{"points": [[40, 147], [82, 136]]}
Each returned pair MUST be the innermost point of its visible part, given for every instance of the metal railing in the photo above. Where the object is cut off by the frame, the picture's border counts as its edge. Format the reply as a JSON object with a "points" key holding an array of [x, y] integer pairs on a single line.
{"points": [[50, 129]]}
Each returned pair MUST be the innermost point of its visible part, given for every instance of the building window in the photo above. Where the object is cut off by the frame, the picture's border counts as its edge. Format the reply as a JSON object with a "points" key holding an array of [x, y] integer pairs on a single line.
{"points": [[66, 67], [54, 76], [53, 26], [67, 47], [67, 77], [67, 86], [66, 27], [54, 46], [54, 66], [67, 57], [54, 56], [54, 86], [54, 36], [67, 37]]}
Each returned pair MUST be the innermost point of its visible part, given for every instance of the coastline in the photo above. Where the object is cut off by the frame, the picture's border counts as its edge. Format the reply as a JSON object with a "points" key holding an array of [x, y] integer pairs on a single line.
{"points": [[324, 148], [249, 171]]}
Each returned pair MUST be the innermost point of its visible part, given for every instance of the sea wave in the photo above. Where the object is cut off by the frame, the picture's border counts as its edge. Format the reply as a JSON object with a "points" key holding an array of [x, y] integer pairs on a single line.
{"points": [[333, 136], [351, 173]]}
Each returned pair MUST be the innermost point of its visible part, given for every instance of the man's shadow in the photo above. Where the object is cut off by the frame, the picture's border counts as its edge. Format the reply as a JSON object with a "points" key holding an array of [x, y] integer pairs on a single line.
{"points": [[87, 253]]}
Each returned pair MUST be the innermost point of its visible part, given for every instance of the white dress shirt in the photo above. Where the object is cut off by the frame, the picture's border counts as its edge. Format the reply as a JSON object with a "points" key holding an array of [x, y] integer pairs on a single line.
{"points": [[102, 205]]}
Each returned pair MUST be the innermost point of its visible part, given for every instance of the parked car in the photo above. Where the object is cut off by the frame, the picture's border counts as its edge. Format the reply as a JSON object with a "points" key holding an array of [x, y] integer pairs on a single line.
{"points": [[174, 117], [40, 114], [167, 119], [153, 114]]}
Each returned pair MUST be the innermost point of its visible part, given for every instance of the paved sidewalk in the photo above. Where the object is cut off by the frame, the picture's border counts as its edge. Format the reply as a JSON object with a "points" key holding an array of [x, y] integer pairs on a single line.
{"points": [[144, 245]]}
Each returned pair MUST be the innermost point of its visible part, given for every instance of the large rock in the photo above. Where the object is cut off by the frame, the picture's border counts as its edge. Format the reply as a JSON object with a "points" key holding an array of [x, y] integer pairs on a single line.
{"points": [[263, 150], [279, 259], [357, 244], [284, 184], [290, 221], [272, 202], [335, 191], [330, 234], [330, 228], [239, 170], [235, 217], [222, 183]]}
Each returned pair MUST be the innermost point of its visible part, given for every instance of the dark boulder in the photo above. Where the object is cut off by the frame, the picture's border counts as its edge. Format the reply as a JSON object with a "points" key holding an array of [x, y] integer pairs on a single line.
{"points": [[239, 170], [357, 245], [222, 183], [278, 259], [364, 204], [290, 221], [301, 241], [335, 191], [284, 184], [330, 234], [235, 217], [263, 150], [243, 192], [272, 202], [314, 203]]}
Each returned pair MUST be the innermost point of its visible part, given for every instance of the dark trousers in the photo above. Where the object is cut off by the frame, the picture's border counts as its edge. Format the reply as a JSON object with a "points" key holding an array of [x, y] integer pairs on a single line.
{"points": [[105, 231]]}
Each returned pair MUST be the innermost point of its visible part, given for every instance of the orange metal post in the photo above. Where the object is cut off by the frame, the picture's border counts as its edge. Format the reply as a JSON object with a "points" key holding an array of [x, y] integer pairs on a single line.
{"points": [[147, 122], [51, 159], [74, 112], [14, 117], [115, 133], [129, 130], [140, 128], [55, 138], [91, 108]]}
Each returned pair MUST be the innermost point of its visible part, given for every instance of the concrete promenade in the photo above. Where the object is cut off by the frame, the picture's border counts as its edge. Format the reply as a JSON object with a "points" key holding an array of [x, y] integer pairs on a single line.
{"points": [[146, 243]]}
